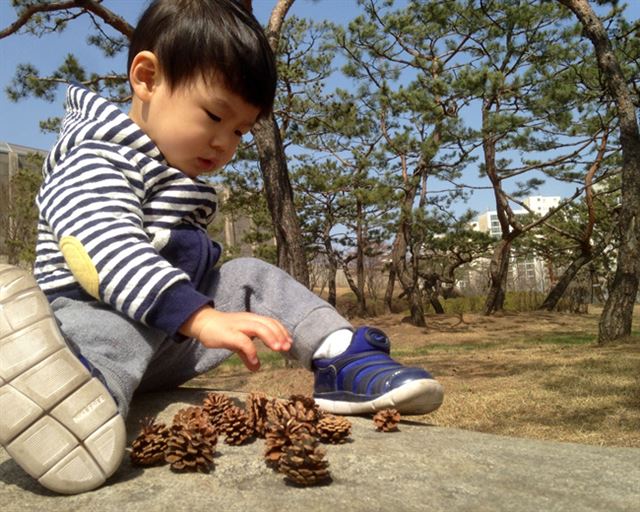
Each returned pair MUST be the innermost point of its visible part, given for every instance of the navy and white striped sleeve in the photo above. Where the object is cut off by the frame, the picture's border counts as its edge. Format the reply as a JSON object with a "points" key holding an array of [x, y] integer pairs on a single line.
{"points": [[94, 210]]}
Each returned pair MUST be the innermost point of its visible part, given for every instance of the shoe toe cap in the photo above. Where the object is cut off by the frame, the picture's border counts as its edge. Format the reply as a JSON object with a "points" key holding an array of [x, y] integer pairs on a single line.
{"points": [[404, 376]]}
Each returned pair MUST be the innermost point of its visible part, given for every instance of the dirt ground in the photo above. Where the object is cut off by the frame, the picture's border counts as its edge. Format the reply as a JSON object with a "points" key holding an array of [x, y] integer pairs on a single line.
{"points": [[536, 375]]}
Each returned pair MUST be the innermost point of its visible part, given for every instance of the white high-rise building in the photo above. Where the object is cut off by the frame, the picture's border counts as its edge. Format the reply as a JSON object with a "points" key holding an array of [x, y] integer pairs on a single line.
{"points": [[526, 273], [542, 204], [487, 222]]}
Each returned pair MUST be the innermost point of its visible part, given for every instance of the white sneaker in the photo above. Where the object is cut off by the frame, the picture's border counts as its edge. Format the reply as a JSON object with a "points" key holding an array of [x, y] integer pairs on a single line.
{"points": [[60, 424]]}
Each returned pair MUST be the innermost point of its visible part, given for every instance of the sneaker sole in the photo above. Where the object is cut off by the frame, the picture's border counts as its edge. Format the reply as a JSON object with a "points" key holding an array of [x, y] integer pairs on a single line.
{"points": [[58, 423], [417, 397]]}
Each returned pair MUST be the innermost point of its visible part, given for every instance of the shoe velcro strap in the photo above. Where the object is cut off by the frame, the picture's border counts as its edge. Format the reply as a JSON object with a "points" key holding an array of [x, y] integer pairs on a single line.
{"points": [[346, 361], [359, 370], [373, 383], [377, 385]]}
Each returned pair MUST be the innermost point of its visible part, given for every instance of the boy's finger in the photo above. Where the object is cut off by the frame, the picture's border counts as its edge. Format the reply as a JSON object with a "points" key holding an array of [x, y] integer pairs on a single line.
{"points": [[275, 336], [275, 341], [280, 329], [271, 332], [251, 362], [248, 355], [257, 327]]}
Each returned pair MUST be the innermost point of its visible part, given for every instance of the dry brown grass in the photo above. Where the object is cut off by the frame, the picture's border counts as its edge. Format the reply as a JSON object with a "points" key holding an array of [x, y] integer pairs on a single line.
{"points": [[537, 375]]}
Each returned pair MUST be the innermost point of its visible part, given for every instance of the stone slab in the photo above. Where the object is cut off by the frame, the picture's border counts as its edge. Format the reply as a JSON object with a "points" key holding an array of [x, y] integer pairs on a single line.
{"points": [[419, 468]]}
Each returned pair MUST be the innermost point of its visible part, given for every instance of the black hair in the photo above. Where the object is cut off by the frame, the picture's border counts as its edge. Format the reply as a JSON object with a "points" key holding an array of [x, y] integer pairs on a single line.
{"points": [[217, 39]]}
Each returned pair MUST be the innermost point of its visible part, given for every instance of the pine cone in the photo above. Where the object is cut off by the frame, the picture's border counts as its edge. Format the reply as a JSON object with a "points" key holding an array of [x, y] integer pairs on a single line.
{"points": [[333, 429], [188, 450], [149, 447], [189, 415], [203, 426], [277, 411], [300, 408], [387, 420], [306, 408], [278, 437], [235, 426], [257, 413], [303, 461], [215, 404]]}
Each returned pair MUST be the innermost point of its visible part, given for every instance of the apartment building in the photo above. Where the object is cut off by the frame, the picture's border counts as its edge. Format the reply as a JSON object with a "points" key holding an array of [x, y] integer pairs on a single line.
{"points": [[525, 273]]}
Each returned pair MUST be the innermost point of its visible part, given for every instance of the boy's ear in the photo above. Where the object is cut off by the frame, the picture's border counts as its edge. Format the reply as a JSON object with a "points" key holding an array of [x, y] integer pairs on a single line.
{"points": [[144, 74]]}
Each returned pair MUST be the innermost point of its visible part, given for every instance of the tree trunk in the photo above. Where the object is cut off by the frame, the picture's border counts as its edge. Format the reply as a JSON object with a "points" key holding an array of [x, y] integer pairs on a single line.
{"points": [[410, 286], [499, 266], [333, 269], [388, 294], [615, 322], [417, 313], [498, 272], [360, 279], [399, 255], [360, 299], [556, 293], [436, 305], [616, 319], [273, 166], [332, 297]]}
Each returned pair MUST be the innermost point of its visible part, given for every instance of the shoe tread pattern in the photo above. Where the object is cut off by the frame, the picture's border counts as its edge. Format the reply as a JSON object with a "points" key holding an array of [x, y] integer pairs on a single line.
{"points": [[58, 423]]}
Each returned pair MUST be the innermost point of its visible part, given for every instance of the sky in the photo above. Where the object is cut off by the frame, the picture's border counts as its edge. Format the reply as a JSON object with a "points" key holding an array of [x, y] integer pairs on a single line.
{"points": [[19, 122]]}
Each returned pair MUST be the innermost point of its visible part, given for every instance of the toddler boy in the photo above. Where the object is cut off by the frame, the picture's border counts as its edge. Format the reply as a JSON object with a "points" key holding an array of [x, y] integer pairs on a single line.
{"points": [[127, 297]]}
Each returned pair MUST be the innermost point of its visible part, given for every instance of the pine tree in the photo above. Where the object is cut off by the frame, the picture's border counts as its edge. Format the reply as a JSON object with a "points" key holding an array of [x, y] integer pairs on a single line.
{"points": [[402, 61], [617, 315], [522, 73], [588, 228], [20, 223]]}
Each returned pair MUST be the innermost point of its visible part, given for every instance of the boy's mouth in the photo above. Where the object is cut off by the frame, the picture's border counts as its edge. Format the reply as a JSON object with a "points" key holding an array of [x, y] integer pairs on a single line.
{"points": [[206, 164]]}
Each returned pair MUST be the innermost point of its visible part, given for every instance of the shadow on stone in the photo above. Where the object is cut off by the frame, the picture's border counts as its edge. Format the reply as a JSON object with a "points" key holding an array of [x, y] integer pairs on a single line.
{"points": [[151, 404], [126, 472], [415, 469], [13, 475]]}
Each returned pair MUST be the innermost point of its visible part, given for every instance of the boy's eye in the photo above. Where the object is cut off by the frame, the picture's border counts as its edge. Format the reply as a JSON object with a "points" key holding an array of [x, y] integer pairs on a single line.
{"points": [[213, 117]]}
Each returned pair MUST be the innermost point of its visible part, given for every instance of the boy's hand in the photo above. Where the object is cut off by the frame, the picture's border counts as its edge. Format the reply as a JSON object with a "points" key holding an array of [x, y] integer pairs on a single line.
{"points": [[233, 331]]}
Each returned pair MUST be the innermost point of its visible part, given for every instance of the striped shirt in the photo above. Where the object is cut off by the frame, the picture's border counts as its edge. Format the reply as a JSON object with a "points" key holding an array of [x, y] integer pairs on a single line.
{"points": [[108, 189]]}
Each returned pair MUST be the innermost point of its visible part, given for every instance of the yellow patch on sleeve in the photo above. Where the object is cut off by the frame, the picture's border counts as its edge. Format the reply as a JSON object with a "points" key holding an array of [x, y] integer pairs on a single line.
{"points": [[80, 264]]}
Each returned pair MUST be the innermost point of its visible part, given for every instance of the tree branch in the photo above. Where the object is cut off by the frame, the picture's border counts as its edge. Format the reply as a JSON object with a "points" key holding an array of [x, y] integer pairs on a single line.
{"points": [[588, 181], [109, 17], [274, 28], [93, 6], [30, 11], [550, 213]]}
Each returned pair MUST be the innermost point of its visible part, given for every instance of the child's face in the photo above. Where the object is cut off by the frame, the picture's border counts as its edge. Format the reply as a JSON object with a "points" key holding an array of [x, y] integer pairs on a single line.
{"points": [[197, 126]]}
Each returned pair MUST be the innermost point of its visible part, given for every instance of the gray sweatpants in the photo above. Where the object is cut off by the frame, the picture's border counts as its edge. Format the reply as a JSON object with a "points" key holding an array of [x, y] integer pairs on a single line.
{"points": [[133, 357]]}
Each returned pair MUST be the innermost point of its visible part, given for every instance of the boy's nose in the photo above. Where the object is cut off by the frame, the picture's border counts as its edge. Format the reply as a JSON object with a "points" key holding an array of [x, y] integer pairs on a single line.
{"points": [[222, 143]]}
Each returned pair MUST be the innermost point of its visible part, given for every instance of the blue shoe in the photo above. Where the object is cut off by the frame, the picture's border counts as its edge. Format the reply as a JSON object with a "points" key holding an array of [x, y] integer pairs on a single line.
{"points": [[58, 422], [364, 379]]}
